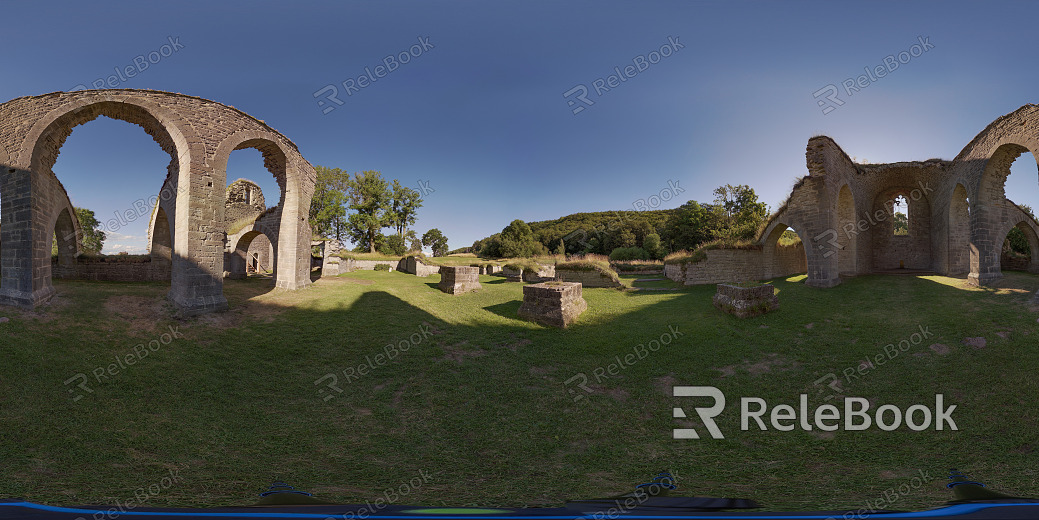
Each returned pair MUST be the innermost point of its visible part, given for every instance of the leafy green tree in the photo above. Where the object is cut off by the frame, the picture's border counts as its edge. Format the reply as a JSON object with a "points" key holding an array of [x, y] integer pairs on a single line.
{"points": [[436, 241], [901, 221], [741, 213], [652, 245], [393, 245], [404, 205], [690, 225], [93, 237], [561, 248], [328, 206], [370, 198], [517, 240]]}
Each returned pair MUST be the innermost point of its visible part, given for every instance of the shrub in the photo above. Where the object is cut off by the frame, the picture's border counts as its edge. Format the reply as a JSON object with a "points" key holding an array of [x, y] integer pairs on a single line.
{"points": [[382, 267], [629, 253], [525, 265]]}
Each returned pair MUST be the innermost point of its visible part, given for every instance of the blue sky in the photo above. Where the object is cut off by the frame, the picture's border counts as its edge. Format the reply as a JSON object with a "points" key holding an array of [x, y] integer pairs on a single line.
{"points": [[481, 118]]}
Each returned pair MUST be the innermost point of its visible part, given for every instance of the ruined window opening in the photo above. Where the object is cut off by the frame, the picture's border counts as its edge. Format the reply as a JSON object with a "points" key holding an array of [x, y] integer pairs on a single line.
{"points": [[900, 212]]}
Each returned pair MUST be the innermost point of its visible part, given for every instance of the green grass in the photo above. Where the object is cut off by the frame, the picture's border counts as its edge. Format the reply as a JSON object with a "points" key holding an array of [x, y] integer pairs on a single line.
{"points": [[481, 402]]}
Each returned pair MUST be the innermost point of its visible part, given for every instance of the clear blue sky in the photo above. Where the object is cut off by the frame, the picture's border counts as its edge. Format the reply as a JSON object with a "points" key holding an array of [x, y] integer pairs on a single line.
{"points": [[482, 118]]}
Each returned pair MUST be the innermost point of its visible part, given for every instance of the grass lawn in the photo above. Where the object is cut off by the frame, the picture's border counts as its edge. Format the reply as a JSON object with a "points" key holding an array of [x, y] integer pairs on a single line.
{"points": [[479, 399]]}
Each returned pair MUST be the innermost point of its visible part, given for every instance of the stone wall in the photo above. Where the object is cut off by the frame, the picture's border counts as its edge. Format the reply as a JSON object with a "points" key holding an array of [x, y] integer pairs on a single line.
{"points": [[459, 279], [114, 269], [348, 264], [740, 265], [586, 278], [412, 265], [556, 304]]}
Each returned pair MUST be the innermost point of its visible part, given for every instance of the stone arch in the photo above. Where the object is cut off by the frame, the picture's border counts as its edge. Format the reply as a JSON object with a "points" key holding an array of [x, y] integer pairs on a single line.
{"points": [[780, 261], [959, 246], [160, 236], [243, 252], [69, 237], [912, 251], [292, 270], [1027, 226], [40, 149], [847, 236]]}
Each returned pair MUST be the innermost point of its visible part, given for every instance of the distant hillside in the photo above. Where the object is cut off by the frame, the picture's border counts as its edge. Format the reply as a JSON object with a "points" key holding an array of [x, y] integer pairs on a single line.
{"points": [[549, 232]]}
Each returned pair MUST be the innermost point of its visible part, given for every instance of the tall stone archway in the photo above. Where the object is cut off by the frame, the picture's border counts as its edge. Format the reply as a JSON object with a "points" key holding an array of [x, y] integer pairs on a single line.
{"points": [[197, 134]]}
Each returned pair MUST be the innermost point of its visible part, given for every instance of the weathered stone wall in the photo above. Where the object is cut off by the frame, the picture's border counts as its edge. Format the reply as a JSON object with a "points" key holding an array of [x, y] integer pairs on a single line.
{"points": [[412, 265], [347, 265], [114, 269], [243, 199], [556, 304], [198, 135], [459, 279], [725, 265], [675, 272], [586, 278]]}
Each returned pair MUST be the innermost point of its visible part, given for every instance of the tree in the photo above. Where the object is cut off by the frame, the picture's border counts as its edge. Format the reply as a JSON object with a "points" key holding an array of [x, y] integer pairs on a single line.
{"points": [[436, 241], [741, 213], [393, 245], [404, 204], [93, 237], [517, 240], [690, 225], [369, 197], [652, 245], [901, 221], [561, 248], [328, 206]]}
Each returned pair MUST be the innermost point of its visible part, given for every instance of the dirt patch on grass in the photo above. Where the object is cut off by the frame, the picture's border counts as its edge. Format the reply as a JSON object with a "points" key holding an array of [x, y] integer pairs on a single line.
{"points": [[665, 384], [142, 313], [514, 342], [459, 353], [766, 365], [978, 342]]}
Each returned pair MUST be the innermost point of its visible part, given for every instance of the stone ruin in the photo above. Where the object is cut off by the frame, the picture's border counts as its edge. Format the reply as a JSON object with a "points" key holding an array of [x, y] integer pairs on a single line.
{"points": [[459, 279], [330, 259], [189, 224], [746, 301], [587, 278], [556, 304], [248, 250], [959, 216]]}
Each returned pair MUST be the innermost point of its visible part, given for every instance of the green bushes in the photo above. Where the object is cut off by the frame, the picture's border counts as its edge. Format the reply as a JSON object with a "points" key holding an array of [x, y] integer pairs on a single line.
{"points": [[382, 267], [628, 253], [602, 268]]}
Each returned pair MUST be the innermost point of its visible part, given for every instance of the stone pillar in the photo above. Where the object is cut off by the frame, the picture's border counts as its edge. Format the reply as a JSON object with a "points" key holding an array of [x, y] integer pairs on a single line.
{"points": [[459, 279], [556, 304], [22, 284]]}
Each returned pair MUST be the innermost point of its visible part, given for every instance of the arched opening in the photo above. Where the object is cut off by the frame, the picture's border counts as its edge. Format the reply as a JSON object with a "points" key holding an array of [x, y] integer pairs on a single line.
{"points": [[65, 246], [1020, 251], [113, 172], [959, 232], [161, 247], [245, 160], [901, 241], [254, 255], [900, 215], [847, 233], [784, 253], [991, 213]]}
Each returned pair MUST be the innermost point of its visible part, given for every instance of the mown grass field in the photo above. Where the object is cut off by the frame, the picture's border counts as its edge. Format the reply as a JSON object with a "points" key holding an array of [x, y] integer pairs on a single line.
{"points": [[479, 400]]}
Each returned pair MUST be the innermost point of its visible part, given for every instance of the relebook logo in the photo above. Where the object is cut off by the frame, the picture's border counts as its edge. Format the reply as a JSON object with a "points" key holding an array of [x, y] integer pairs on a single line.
{"points": [[827, 417]]}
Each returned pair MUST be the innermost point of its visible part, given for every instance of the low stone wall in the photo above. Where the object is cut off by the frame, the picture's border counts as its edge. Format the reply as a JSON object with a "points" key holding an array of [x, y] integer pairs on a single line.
{"points": [[746, 302], [586, 278], [725, 265], [348, 264], [413, 265], [459, 279], [114, 269], [556, 304], [740, 265], [675, 272]]}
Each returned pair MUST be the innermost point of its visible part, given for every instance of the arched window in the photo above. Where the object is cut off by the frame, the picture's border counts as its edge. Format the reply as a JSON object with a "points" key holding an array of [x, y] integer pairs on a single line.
{"points": [[900, 213]]}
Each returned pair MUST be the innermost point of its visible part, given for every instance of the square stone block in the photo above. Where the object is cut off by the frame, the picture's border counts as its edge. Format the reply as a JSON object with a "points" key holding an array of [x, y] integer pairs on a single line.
{"points": [[556, 304], [459, 279], [746, 301]]}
